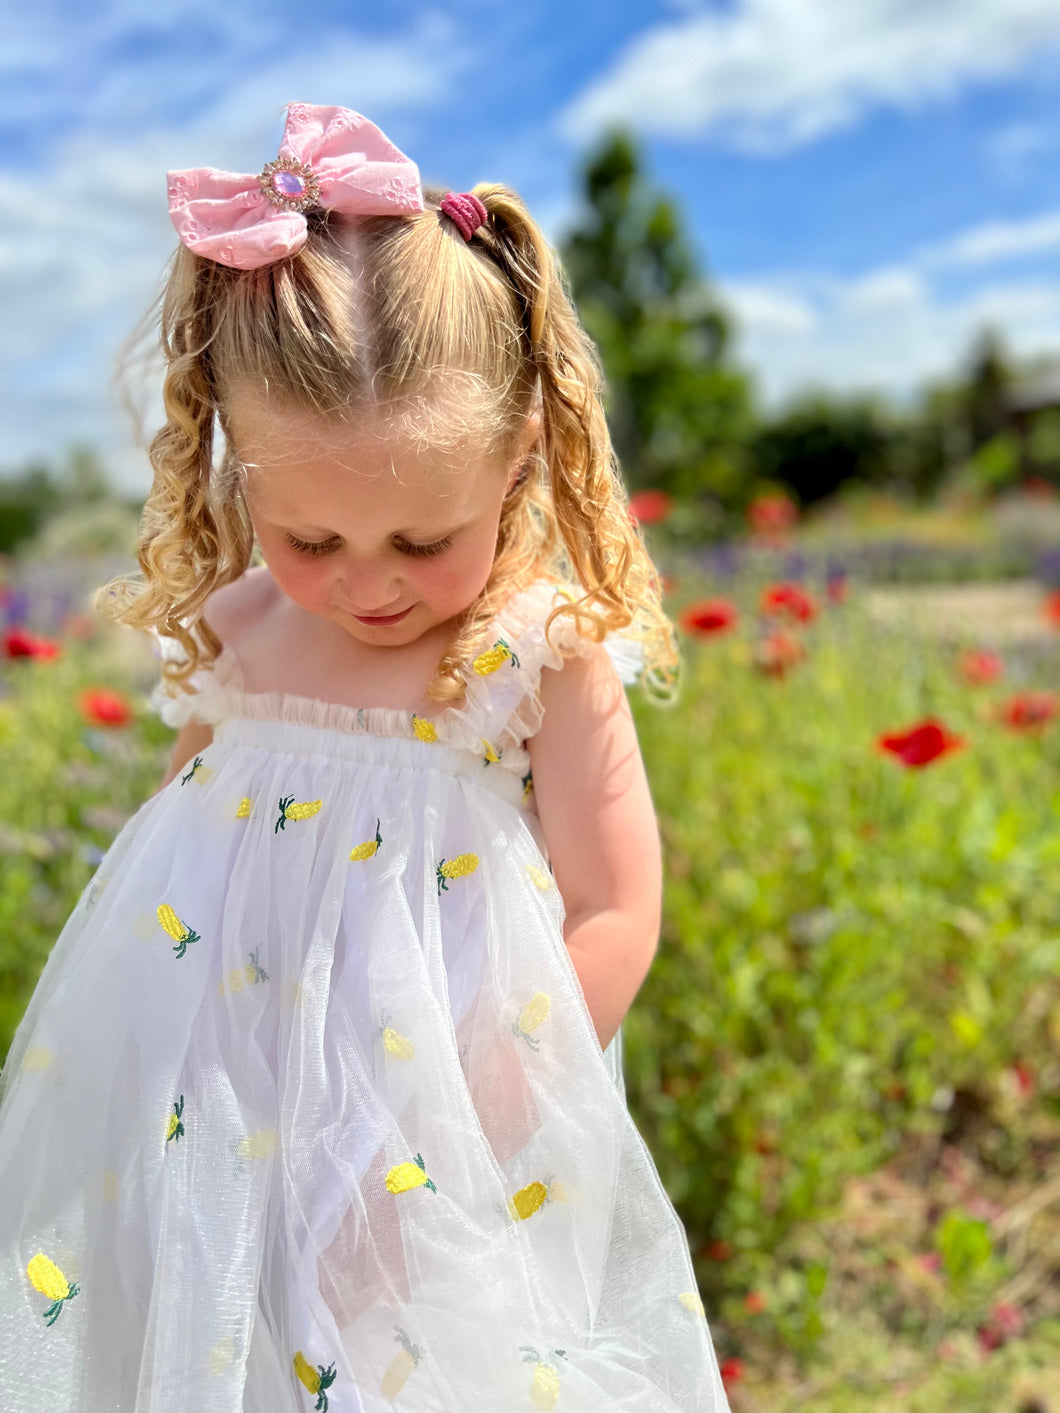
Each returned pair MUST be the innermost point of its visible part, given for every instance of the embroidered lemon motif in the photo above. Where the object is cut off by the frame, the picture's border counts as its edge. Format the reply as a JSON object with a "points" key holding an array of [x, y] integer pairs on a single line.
{"points": [[110, 1185], [50, 1281], [369, 847], [37, 1058], [530, 1017], [255, 972], [316, 1380], [528, 783], [405, 1176], [289, 810], [545, 1388], [396, 1044], [173, 925], [424, 728], [494, 657], [455, 868], [195, 765], [540, 878], [401, 1366], [533, 1196], [176, 1128], [244, 808], [691, 1301], [260, 1144], [491, 755]]}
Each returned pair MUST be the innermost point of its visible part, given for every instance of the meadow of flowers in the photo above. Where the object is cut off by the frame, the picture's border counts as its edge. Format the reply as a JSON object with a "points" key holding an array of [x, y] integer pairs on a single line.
{"points": [[846, 1056]]}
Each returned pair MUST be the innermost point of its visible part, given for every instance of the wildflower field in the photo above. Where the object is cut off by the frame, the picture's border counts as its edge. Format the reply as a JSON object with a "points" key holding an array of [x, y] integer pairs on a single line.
{"points": [[846, 1057]]}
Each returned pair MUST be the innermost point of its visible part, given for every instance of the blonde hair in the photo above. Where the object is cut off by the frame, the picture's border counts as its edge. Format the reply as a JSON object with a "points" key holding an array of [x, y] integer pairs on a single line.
{"points": [[418, 315]]}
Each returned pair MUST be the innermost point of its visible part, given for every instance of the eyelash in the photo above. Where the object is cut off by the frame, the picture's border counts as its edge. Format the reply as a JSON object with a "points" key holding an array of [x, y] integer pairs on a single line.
{"points": [[324, 546]]}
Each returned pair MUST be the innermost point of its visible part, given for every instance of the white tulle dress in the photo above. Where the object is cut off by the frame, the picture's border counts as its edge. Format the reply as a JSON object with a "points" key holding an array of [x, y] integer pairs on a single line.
{"points": [[307, 1110]]}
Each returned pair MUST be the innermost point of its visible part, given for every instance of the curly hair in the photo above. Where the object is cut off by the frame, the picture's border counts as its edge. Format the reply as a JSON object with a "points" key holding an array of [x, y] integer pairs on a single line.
{"points": [[416, 312]]}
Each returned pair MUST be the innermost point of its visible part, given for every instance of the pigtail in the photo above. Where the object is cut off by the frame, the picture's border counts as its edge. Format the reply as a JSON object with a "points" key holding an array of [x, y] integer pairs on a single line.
{"points": [[589, 502], [194, 534]]}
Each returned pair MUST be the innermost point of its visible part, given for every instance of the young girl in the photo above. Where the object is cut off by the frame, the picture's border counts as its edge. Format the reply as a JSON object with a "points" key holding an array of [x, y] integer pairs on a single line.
{"points": [[318, 1103]]}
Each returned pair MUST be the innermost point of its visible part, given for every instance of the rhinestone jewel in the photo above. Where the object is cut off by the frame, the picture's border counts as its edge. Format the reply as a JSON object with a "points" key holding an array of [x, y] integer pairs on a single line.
{"points": [[289, 184]]}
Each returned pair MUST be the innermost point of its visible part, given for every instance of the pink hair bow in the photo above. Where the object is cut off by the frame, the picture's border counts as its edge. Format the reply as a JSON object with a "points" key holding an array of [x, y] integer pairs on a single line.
{"points": [[331, 157]]}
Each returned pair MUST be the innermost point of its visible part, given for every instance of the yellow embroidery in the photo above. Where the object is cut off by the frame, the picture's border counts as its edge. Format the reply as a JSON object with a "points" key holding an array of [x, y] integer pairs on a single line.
{"points": [[401, 1366], [37, 1058], [691, 1301], [545, 1389], [50, 1281], [491, 755], [176, 1128], [542, 879], [369, 847], [405, 1176], [531, 1016], [244, 808], [173, 925], [424, 728], [316, 1380], [494, 657], [533, 1196], [528, 784], [396, 1044], [455, 868], [260, 1144], [110, 1186], [221, 1355], [289, 810]]}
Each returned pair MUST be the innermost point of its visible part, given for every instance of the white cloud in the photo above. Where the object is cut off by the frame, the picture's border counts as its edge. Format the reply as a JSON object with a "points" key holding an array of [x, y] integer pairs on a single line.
{"points": [[769, 75], [994, 241], [887, 331]]}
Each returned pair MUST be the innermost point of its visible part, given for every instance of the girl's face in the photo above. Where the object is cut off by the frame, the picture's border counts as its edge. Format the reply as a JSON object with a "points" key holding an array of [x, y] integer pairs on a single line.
{"points": [[354, 522]]}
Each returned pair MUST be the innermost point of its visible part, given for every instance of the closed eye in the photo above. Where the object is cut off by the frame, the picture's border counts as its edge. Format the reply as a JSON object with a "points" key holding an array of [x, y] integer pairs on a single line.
{"points": [[326, 546]]}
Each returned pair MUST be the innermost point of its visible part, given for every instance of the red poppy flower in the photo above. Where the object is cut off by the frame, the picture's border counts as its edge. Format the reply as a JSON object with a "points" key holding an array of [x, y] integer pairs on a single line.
{"points": [[921, 744], [772, 514], [102, 707], [788, 600], [1028, 711], [731, 1371], [719, 1250], [19, 642], [707, 616], [1005, 1322], [778, 652], [979, 666], [650, 506], [1051, 608], [754, 1302]]}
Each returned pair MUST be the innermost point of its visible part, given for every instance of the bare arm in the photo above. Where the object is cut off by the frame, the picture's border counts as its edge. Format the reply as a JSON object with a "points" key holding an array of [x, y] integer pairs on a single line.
{"points": [[599, 822], [191, 739]]}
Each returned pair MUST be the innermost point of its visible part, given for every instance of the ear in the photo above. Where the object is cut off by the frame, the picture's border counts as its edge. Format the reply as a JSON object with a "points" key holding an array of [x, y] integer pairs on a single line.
{"points": [[531, 432]]}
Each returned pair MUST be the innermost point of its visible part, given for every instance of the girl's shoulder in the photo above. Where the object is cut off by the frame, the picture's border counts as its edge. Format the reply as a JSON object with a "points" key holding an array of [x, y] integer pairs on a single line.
{"points": [[526, 617]]}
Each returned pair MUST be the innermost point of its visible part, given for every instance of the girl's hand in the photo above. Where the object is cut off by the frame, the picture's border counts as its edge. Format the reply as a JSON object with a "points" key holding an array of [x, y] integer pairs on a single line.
{"points": [[599, 822]]}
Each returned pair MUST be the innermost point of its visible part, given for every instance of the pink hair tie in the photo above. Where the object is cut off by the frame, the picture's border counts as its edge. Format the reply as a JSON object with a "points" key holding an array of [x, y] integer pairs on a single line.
{"points": [[465, 210]]}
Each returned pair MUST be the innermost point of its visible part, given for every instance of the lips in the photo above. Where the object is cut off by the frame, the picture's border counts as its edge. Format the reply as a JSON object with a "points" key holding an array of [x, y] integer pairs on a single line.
{"points": [[383, 618]]}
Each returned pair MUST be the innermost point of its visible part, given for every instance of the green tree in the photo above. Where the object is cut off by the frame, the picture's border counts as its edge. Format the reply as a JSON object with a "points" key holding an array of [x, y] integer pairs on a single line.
{"points": [[819, 442], [678, 413]]}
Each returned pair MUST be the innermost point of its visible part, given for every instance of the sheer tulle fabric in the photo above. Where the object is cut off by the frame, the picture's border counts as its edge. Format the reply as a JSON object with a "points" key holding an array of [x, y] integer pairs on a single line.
{"points": [[307, 1110]]}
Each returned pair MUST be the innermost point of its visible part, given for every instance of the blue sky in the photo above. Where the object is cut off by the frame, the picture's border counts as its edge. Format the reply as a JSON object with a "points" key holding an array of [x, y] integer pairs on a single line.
{"points": [[866, 184]]}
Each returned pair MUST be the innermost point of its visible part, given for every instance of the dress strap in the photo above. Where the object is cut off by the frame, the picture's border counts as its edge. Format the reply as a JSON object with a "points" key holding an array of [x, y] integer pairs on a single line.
{"points": [[503, 703], [215, 684]]}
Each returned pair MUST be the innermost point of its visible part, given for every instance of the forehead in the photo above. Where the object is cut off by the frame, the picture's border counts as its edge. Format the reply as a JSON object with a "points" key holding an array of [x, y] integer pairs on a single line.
{"points": [[295, 460]]}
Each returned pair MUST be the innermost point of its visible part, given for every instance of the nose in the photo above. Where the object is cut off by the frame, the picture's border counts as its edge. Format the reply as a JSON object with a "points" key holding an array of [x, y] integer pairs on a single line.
{"points": [[369, 592]]}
